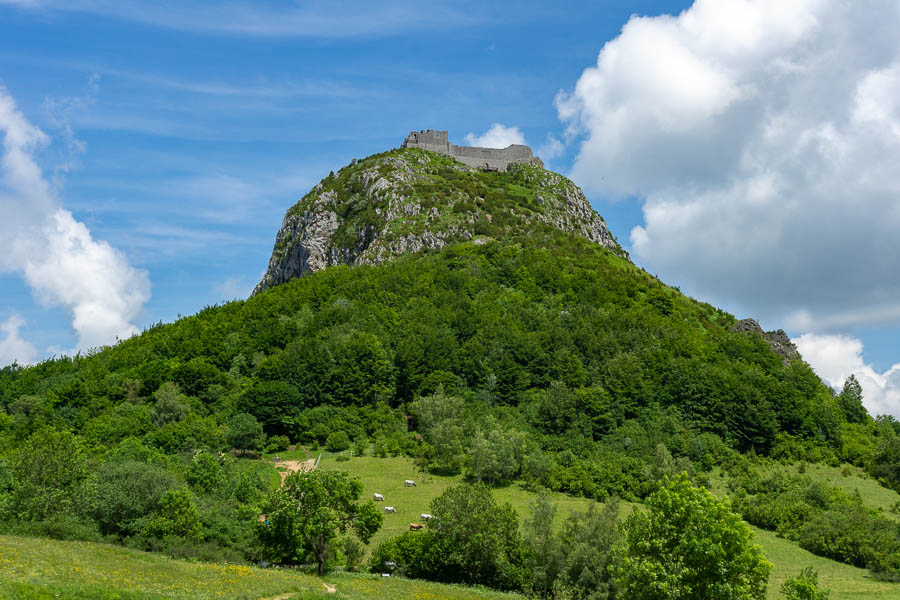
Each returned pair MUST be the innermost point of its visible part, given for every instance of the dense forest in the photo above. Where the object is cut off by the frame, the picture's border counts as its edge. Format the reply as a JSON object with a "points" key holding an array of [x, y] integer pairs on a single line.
{"points": [[540, 358]]}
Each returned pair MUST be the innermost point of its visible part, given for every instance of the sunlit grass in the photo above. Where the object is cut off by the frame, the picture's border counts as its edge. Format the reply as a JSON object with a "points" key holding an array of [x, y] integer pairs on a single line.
{"points": [[38, 569]]}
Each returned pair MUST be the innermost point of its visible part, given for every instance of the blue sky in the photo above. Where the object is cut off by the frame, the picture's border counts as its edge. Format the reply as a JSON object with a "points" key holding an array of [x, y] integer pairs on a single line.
{"points": [[179, 133]]}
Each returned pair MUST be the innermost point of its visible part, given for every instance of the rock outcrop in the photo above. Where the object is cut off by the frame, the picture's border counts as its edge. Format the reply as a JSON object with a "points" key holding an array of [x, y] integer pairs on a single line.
{"points": [[778, 340], [411, 199]]}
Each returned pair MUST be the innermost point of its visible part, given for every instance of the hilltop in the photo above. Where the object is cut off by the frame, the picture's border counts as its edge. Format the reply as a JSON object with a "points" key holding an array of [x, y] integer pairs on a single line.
{"points": [[408, 200]]}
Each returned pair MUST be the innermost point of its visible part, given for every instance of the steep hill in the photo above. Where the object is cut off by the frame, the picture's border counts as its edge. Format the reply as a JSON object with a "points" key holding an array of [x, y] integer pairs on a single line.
{"points": [[485, 324], [407, 200]]}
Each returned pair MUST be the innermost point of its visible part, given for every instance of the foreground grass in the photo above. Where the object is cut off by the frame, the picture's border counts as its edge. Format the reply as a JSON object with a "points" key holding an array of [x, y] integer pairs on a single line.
{"points": [[35, 569]]}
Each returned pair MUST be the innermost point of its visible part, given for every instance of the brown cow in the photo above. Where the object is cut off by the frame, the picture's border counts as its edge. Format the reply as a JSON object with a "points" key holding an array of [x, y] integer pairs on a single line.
{"points": [[415, 526]]}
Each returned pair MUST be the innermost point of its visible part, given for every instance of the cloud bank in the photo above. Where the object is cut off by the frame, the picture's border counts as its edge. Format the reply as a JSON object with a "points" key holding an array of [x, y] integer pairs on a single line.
{"points": [[836, 357], [55, 254], [764, 138]]}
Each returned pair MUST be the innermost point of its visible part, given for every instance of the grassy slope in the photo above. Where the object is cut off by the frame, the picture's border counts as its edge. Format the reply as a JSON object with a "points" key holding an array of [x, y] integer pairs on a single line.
{"points": [[386, 476], [873, 494], [37, 569], [845, 582], [34, 568]]}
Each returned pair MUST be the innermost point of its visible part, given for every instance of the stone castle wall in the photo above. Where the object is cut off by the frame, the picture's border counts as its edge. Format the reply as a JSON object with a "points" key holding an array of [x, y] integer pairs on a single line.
{"points": [[492, 159]]}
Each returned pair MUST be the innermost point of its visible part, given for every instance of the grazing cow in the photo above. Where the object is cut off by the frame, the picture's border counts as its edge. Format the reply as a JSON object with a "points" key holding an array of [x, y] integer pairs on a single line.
{"points": [[378, 497], [415, 526], [409, 483], [425, 516], [390, 509]]}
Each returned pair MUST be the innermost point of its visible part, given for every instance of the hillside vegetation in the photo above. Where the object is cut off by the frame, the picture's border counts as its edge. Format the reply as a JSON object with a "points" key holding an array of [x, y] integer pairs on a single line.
{"points": [[528, 353]]}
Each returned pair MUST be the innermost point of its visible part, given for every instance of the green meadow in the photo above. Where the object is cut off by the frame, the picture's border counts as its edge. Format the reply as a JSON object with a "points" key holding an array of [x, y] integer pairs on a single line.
{"points": [[32, 568], [386, 475], [38, 569]]}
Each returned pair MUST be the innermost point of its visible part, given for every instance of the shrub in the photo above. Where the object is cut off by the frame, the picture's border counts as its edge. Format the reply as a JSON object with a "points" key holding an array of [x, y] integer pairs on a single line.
{"points": [[804, 586], [278, 443], [337, 441]]}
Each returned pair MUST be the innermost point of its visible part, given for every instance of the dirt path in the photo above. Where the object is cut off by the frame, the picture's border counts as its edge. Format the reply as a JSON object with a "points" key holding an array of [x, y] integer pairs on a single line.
{"points": [[328, 588], [286, 467]]}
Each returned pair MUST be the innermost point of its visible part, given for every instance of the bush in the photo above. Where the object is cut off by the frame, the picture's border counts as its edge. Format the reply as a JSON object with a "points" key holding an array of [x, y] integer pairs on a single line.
{"points": [[337, 441], [278, 443], [120, 493], [805, 586]]}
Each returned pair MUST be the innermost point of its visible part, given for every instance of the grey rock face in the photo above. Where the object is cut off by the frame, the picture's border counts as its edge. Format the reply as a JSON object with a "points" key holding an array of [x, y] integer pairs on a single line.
{"points": [[777, 340], [400, 202]]}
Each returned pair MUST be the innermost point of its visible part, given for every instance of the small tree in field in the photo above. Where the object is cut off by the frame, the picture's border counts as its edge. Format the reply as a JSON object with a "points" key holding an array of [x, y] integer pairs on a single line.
{"points": [[689, 545], [309, 512]]}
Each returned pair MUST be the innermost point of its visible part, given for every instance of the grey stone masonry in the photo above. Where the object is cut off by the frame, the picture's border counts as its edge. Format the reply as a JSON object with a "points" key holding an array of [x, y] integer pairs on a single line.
{"points": [[487, 159]]}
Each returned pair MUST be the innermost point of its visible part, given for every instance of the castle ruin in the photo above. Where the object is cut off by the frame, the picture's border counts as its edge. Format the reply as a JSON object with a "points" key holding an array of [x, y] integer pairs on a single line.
{"points": [[486, 159]]}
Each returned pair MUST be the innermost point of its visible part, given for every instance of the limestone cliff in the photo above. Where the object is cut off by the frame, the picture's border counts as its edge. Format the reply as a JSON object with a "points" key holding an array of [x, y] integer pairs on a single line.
{"points": [[411, 199]]}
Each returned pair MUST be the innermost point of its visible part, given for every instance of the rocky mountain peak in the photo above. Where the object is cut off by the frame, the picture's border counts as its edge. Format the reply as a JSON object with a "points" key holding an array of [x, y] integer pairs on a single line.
{"points": [[411, 199]]}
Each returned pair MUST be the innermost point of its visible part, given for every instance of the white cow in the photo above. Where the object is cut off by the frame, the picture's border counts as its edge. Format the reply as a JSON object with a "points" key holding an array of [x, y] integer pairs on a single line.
{"points": [[390, 509], [378, 497], [409, 483], [425, 516]]}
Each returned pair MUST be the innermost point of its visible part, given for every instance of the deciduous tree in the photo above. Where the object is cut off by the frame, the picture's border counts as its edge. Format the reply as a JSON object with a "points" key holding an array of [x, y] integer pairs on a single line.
{"points": [[310, 510], [689, 545]]}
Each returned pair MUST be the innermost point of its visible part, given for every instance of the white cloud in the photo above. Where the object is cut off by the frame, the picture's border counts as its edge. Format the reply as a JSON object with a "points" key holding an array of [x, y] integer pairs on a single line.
{"points": [[55, 254], [836, 357], [552, 148], [498, 136], [12, 347], [763, 138]]}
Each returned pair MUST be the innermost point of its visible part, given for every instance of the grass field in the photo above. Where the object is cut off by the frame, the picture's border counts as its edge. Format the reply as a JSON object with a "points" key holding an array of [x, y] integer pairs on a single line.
{"points": [[38, 569], [386, 475], [847, 478]]}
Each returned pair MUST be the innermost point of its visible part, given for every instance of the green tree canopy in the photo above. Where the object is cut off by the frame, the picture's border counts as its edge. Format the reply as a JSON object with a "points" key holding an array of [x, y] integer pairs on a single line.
{"points": [[474, 540], [850, 401], [309, 512], [244, 432], [689, 545]]}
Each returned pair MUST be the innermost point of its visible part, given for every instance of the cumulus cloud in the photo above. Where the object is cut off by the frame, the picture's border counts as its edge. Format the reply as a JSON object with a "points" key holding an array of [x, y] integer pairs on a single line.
{"points": [[12, 347], [763, 139], [498, 136], [836, 357], [55, 254]]}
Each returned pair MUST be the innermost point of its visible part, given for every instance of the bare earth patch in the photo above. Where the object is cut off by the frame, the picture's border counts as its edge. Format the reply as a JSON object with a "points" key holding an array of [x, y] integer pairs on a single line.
{"points": [[286, 467]]}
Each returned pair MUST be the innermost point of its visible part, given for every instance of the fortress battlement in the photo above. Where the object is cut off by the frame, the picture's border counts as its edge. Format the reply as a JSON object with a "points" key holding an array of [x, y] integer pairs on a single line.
{"points": [[487, 159]]}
